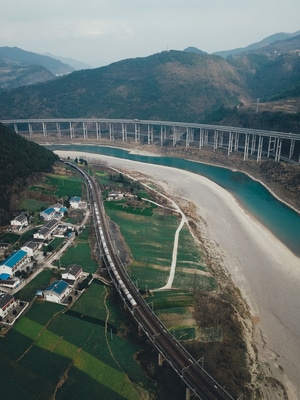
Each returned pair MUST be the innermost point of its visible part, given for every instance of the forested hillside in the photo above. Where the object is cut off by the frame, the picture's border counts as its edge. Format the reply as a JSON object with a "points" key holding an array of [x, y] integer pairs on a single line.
{"points": [[172, 85], [20, 160]]}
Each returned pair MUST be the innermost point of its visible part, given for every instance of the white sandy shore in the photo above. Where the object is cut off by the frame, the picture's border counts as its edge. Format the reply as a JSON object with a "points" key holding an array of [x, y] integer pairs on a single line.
{"points": [[265, 271]]}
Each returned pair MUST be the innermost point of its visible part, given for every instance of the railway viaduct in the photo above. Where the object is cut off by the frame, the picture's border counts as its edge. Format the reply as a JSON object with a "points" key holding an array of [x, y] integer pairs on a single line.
{"points": [[251, 142]]}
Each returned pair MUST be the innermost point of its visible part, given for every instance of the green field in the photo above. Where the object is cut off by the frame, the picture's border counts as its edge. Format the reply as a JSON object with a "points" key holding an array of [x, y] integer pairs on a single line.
{"points": [[47, 344], [150, 237], [64, 186], [28, 292]]}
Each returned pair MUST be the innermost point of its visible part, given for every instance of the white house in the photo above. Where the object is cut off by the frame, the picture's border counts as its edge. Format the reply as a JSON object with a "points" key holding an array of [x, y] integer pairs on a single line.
{"points": [[47, 214], [75, 201], [13, 263], [56, 211], [113, 195], [7, 302], [56, 292], [72, 273], [19, 221], [45, 231], [31, 247], [10, 283]]}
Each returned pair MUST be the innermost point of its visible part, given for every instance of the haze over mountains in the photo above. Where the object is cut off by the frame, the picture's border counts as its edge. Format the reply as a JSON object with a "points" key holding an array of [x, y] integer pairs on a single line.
{"points": [[187, 85]]}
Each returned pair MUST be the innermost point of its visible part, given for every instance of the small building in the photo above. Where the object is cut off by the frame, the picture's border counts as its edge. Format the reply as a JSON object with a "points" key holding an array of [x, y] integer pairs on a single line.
{"points": [[31, 247], [14, 262], [7, 302], [75, 201], [113, 195], [42, 234], [56, 211], [47, 214], [19, 221], [56, 292], [45, 231], [71, 274], [10, 283]]}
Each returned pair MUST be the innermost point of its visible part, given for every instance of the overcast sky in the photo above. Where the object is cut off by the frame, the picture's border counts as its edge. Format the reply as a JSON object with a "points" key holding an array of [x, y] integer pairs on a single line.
{"points": [[100, 32]]}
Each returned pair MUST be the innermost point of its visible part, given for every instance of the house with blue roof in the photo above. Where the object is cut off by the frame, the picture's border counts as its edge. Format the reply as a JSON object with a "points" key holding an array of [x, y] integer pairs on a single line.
{"points": [[47, 214], [75, 201], [56, 292], [13, 263], [56, 211]]}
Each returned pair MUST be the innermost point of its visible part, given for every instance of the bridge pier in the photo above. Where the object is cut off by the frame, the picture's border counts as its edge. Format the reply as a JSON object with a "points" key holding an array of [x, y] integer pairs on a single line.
{"points": [[246, 148], [44, 129], [188, 137], [30, 129], [150, 134], [278, 150], [201, 138], [163, 134], [98, 130], [236, 141], [292, 148], [216, 138], [271, 145], [253, 143], [58, 131], [259, 148], [205, 137], [124, 132], [160, 359], [230, 143], [221, 139], [71, 129], [137, 133], [85, 131], [111, 131]]}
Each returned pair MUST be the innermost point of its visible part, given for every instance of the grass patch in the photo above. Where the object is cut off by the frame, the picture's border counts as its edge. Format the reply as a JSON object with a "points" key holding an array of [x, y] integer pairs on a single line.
{"points": [[32, 205], [211, 334], [27, 293], [80, 254], [63, 185]]}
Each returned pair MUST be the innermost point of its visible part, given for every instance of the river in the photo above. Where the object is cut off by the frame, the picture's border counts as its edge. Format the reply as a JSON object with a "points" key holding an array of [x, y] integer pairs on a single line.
{"points": [[276, 216]]}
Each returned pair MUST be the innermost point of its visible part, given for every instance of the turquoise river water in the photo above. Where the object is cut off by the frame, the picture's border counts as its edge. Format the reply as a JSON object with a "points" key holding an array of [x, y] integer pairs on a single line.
{"points": [[280, 219]]}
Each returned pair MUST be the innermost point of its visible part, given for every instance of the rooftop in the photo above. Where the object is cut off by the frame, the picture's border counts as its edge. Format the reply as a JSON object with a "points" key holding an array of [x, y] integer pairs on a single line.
{"points": [[4, 299], [14, 258], [75, 199], [73, 269], [57, 287]]}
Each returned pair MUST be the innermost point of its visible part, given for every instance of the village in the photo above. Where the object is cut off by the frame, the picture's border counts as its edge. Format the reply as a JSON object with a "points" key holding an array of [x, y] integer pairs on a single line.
{"points": [[23, 264]]}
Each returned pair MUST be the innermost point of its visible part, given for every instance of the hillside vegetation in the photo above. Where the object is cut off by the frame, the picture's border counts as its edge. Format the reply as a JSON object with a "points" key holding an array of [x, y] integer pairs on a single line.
{"points": [[20, 160], [174, 85]]}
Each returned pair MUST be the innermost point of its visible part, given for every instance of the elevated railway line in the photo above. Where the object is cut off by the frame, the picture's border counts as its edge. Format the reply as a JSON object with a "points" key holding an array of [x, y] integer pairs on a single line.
{"points": [[252, 143], [198, 381]]}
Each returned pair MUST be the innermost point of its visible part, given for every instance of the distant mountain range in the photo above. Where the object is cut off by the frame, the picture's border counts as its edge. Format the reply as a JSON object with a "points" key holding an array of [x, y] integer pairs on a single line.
{"points": [[185, 85], [278, 39], [20, 68]]}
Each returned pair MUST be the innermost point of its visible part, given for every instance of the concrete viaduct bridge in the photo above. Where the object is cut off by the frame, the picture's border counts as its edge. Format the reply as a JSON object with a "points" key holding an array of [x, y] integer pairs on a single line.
{"points": [[252, 143]]}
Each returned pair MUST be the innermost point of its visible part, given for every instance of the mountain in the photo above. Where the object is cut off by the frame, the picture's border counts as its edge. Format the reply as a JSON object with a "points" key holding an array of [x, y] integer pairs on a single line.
{"points": [[192, 49], [178, 86], [19, 67], [75, 64], [171, 85], [20, 160], [258, 45]]}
